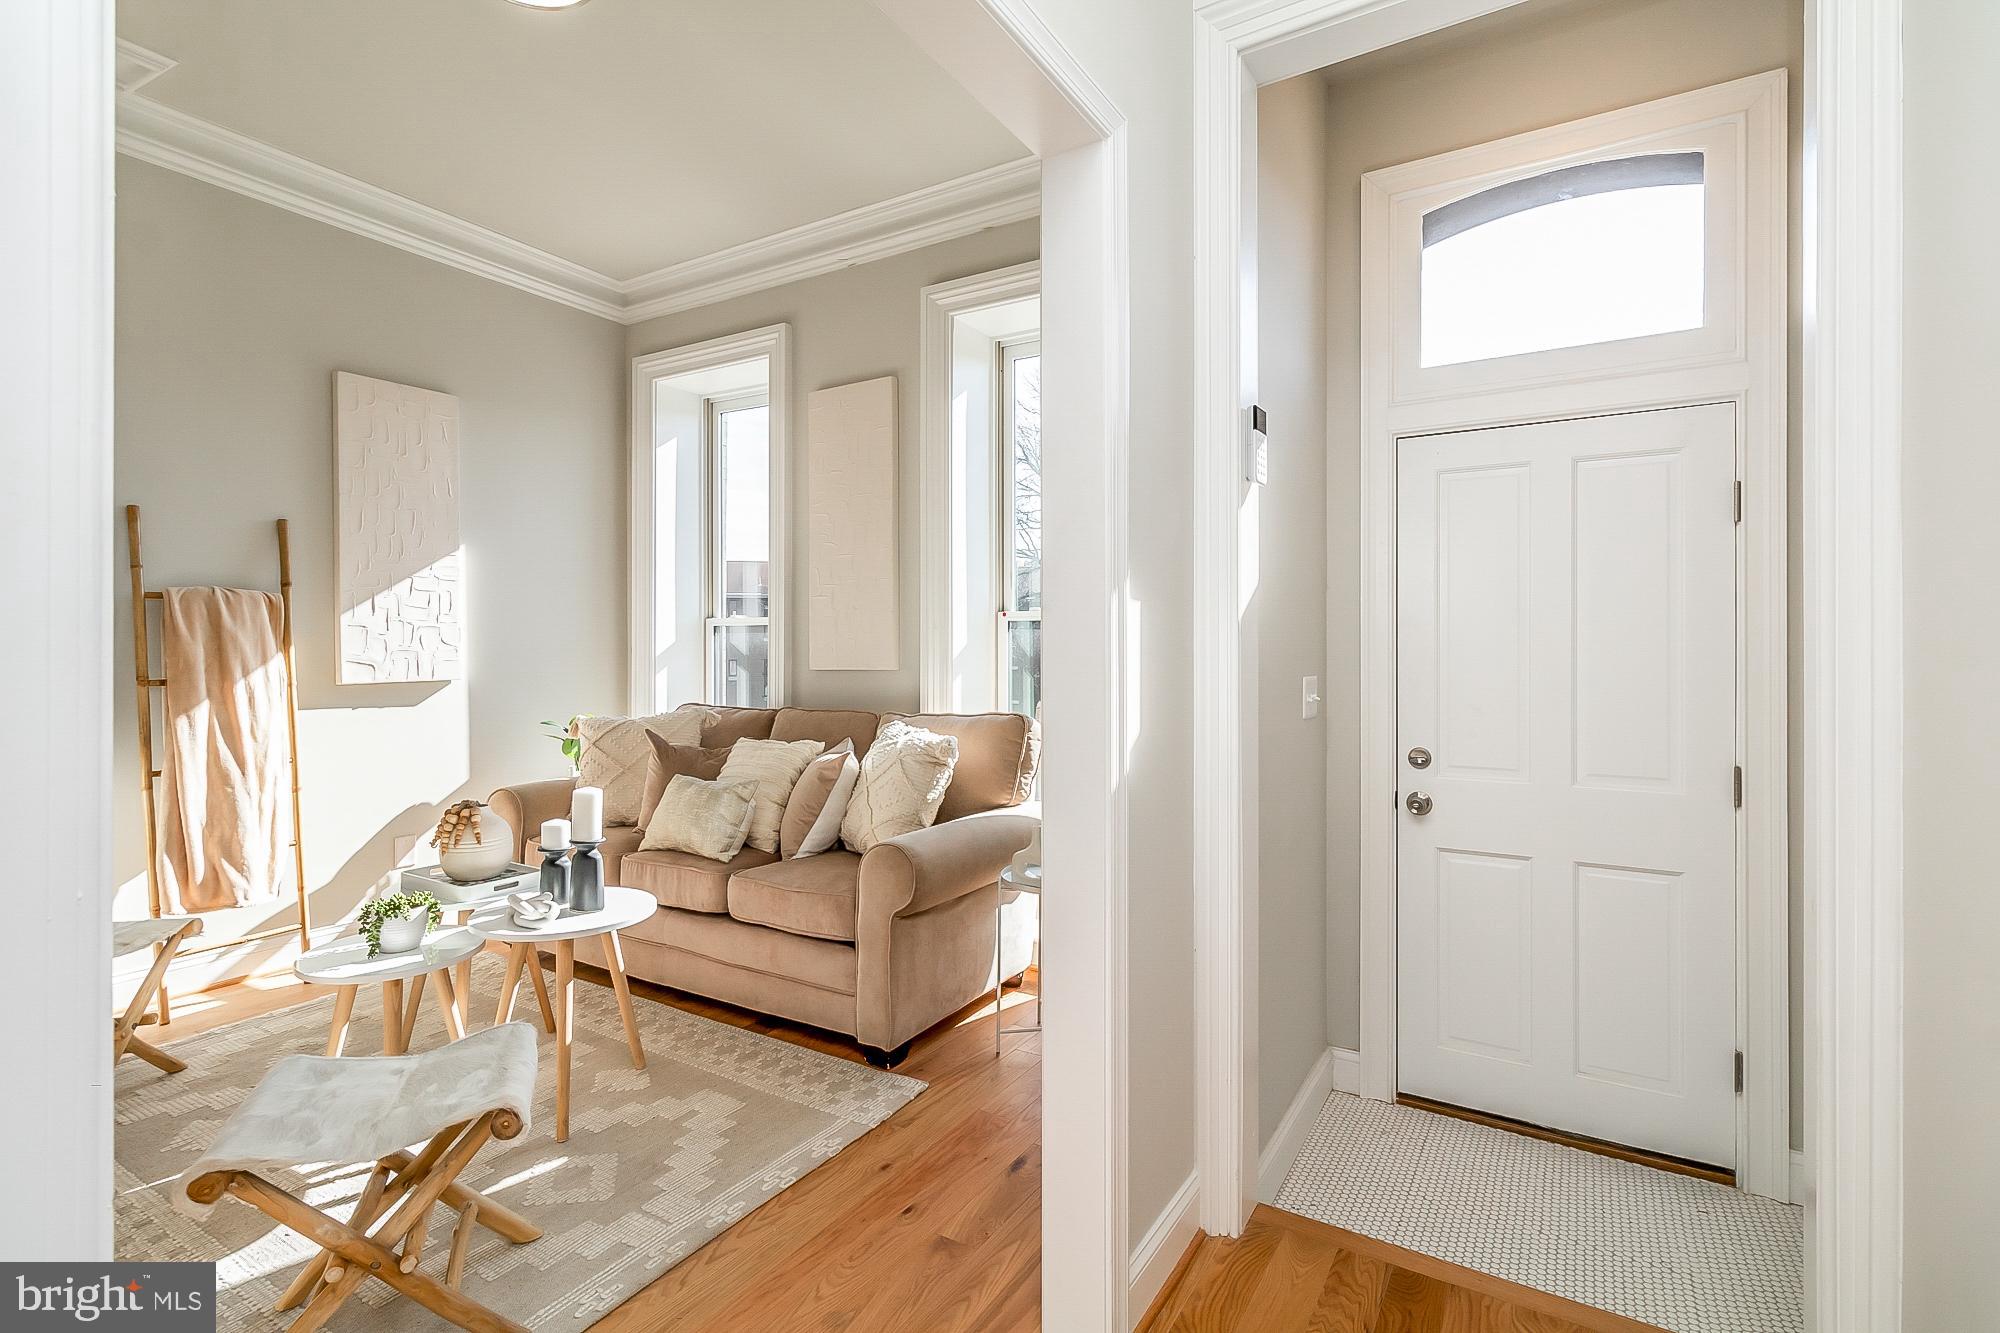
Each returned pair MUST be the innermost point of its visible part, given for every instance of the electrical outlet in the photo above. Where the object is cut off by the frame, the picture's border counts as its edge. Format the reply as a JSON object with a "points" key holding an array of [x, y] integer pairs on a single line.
{"points": [[1309, 697]]}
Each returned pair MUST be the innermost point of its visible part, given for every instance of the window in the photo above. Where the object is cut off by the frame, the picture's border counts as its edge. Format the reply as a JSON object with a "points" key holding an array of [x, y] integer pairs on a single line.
{"points": [[739, 557], [1584, 254], [1021, 527]]}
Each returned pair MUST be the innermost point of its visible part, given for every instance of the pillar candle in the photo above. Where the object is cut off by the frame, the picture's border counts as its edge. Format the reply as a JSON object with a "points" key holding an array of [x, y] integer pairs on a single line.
{"points": [[555, 835], [586, 814]]}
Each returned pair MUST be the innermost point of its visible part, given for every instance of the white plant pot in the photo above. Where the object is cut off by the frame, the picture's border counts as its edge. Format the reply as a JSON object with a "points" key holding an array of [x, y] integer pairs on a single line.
{"points": [[402, 934]]}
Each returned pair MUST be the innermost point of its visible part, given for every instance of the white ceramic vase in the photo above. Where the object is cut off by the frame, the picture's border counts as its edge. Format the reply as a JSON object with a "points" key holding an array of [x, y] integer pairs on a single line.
{"points": [[470, 862]]}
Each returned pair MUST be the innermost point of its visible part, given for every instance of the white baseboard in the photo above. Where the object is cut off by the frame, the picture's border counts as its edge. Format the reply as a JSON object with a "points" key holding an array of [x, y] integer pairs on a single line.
{"points": [[1336, 1070], [1161, 1248], [1802, 1178]]}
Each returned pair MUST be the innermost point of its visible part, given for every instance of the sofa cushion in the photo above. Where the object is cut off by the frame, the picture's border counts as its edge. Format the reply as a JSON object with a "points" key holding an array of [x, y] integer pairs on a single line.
{"points": [[616, 752], [832, 725], [813, 897], [684, 880], [731, 725], [669, 761], [997, 753]]}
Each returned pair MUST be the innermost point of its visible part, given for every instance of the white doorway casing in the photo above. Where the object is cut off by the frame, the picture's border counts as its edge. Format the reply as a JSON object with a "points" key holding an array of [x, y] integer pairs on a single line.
{"points": [[1852, 546], [1736, 355]]}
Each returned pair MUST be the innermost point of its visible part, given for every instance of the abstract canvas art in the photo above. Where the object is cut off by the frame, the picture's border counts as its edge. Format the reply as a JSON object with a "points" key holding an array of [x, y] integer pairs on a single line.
{"points": [[396, 543], [851, 529]]}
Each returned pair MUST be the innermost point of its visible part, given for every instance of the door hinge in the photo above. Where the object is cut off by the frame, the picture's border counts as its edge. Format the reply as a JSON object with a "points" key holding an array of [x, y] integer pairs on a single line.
{"points": [[1739, 502], [1739, 786], [1739, 1072]]}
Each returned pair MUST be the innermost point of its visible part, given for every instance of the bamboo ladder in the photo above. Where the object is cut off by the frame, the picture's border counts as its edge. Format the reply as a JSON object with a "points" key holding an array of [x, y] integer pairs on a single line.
{"points": [[145, 682]]}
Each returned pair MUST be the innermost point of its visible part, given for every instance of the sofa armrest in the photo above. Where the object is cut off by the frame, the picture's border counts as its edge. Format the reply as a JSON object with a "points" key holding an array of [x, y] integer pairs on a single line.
{"points": [[919, 870], [527, 805]]}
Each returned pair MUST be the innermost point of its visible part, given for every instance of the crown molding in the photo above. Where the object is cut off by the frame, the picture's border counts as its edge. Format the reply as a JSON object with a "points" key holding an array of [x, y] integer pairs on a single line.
{"points": [[138, 66], [155, 133], [998, 195]]}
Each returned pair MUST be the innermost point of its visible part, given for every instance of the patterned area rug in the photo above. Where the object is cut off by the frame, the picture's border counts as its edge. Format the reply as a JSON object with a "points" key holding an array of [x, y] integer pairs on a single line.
{"points": [[658, 1162], [1665, 1249]]}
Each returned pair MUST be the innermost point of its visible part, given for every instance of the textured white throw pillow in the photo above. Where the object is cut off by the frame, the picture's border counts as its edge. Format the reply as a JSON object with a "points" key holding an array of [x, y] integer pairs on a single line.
{"points": [[706, 818], [902, 783], [616, 752], [775, 767]]}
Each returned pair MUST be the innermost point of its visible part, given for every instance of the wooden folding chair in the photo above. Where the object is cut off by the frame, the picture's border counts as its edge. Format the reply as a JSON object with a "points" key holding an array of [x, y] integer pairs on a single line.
{"points": [[313, 1108], [168, 933]]}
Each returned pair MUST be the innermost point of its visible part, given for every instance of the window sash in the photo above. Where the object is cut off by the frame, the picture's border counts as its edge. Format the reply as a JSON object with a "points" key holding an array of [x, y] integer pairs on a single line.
{"points": [[1011, 353], [717, 623]]}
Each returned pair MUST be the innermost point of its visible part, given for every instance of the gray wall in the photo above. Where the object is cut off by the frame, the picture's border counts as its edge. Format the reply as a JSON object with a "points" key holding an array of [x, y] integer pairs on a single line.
{"points": [[1951, 474], [856, 324], [1519, 70], [232, 317], [1289, 606]]}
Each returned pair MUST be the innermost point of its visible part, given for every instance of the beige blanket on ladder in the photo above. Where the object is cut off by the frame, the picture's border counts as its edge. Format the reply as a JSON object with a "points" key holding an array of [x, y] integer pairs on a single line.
{"points": [[225, 812]]}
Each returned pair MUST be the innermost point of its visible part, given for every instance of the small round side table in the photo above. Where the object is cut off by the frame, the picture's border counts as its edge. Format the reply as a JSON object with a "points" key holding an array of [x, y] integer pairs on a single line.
{"points": [[623, 908], [345, 964], [1016, 882]]}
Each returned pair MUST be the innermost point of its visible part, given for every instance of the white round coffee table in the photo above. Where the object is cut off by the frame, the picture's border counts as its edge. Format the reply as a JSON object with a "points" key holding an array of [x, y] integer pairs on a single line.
{"points": [[345, 964], [623, 908]]}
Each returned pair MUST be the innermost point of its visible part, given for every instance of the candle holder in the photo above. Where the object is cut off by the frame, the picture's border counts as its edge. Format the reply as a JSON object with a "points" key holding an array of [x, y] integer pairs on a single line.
{"points": [[555, 874], [586, 878]]}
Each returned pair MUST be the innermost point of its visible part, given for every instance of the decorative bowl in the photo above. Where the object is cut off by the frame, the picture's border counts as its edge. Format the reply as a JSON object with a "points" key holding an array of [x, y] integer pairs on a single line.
{"points": [[470, 862]]}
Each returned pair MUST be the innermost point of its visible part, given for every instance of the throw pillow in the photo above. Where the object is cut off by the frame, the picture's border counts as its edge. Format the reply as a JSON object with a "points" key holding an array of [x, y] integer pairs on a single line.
{"points": [[669, 761], [706, 818], [902, 783], [615, 754], [812, 817], [775, 767]]}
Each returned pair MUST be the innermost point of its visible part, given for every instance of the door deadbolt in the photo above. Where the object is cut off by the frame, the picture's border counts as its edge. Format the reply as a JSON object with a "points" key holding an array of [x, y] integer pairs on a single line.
{"points": [[1420, 757], [1418, 803]]}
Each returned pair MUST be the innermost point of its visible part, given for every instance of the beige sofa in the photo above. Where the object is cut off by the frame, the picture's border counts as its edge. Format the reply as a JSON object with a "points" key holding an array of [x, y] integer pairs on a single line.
{"points": [[879, 947]]}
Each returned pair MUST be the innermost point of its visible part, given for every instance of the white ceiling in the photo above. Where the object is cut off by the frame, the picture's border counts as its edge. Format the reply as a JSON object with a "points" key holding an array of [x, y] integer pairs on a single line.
{"points": [[624, 135]]}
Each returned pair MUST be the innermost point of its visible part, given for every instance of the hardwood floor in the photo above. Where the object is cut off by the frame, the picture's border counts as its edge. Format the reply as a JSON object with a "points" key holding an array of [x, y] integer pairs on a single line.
{"points": [[931, 1221], [1288, 1272]]}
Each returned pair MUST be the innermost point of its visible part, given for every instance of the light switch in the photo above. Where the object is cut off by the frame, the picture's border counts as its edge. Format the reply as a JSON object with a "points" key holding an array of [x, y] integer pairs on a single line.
{"points": [[1309, 697]]}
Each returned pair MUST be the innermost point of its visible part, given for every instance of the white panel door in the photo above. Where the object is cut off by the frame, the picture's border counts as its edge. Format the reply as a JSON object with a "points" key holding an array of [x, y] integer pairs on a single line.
{"points": [[1566, 656]]}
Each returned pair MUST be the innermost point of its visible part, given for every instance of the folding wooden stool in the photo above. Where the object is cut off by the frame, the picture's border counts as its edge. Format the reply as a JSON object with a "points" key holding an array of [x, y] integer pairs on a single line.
{"points": [[168, 933], [313, 1108]]}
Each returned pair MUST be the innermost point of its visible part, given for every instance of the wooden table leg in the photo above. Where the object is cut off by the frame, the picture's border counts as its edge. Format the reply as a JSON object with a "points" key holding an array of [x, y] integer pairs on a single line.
{"points": [[343, 1013], [541, 987], [443, 991], [412, 1001], [461, 983], [392, 1017], [565, 1002], [516, 955], [614, 963]]}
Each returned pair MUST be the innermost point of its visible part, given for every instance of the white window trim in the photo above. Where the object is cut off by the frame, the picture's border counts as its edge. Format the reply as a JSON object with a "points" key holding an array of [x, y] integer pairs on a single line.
{"points": [[1010, 351], [772, 342], [940, 304], [716, 576]]}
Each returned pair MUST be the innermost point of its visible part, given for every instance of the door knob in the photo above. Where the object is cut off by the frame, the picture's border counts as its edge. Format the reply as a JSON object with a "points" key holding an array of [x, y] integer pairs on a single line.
{"points": [[1420, 757], [1418, 803]]}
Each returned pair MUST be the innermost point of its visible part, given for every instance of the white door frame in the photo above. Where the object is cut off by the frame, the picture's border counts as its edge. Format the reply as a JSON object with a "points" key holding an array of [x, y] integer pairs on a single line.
{"points": [[1852, 542], [55, 374], [1009, 60], [939, 305], [1738, 357]]}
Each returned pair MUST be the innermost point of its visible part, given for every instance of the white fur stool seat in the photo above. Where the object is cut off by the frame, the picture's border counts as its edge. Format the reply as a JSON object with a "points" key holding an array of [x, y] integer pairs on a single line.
{"points": [[312, 1108]]}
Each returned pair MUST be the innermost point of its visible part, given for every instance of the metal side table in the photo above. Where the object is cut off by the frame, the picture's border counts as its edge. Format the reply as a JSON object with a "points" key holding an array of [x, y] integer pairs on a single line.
{"points": [[1026, 880]]}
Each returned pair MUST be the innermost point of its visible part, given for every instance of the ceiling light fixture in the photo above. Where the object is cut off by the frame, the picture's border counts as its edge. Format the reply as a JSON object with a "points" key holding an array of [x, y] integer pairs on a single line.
{"points": [[547, 4]]}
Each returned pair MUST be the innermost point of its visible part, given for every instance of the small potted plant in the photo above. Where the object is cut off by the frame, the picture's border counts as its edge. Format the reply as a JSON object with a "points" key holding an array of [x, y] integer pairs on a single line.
{"points": [[397, 923]]}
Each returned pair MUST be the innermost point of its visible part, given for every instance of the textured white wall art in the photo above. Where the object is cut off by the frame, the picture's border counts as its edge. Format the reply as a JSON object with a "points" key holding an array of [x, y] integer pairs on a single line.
{"points": [[396, 537], [852, 623]]}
